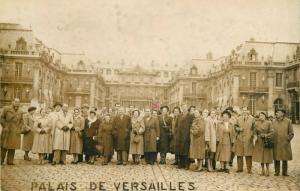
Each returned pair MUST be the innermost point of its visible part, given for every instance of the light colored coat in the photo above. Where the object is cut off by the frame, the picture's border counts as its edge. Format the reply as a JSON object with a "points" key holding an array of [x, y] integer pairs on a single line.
{"points": [[28, 137], [61, 139], [225, 139], [244, 136], [283, 134], [42, 143], [260, 153], [12, 122], [197, 145], [211, 133], [76, 143], [138, 126]]}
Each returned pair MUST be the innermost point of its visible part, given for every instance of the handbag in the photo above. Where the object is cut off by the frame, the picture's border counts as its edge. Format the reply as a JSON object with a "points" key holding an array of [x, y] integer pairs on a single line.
{"points": [[99, 148], [136, 139], [268, 143]]}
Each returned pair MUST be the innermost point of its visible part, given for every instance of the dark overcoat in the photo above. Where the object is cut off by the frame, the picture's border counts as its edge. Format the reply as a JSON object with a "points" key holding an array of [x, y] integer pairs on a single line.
{"points": [[165, 125], [12, 123], [283, 134], [106, 139], [152, 131], [121, 131], [183, 126]]}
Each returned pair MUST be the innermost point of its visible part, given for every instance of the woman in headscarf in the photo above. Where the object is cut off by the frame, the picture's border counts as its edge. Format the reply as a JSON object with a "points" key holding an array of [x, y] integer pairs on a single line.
{"points": [[76, 136], [136, 147], [225, 140], [42, 142], [91, 128], [263, 133]]}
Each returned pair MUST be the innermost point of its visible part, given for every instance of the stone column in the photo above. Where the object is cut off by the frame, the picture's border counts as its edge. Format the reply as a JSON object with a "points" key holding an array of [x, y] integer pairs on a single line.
{"points": [[270, 93], [92, 94], [235, 91]]}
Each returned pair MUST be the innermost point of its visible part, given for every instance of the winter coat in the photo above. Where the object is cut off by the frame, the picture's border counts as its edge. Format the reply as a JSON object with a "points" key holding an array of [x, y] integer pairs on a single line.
{"points": [[76, 143], [121, 131], [244, 136], [165, 125], [197, 133], [225, 140], [137, 136], [42, 142], [152, 131], [28, 136]]}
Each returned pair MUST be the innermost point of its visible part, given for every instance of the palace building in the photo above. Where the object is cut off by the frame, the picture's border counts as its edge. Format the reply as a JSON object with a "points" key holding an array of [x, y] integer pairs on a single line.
{"points": [[261, 75]]}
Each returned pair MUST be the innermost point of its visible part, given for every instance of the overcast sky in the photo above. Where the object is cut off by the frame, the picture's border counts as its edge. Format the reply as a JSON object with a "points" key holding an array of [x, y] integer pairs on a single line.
{"points": [[166, 31]]}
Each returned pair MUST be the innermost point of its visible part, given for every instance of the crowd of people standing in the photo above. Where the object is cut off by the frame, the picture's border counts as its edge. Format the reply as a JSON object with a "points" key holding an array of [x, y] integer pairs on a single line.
{"points": [[198, 139]]}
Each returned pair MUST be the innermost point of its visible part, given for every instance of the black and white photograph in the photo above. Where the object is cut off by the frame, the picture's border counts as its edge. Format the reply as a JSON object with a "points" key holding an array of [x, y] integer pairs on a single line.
{"points": [[160, 95]]}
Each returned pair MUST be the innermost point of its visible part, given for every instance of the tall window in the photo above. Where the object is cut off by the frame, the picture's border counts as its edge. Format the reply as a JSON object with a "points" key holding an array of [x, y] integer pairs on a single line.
{"points": [[278, 80], [107, 91], [252, 80], [18, 70], [194, 88], [252, 105], [278, 103]]}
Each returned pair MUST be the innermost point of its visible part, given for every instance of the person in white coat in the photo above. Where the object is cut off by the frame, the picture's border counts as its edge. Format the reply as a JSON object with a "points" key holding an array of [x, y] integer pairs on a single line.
{"points": [[211, 137], [61, 136]]}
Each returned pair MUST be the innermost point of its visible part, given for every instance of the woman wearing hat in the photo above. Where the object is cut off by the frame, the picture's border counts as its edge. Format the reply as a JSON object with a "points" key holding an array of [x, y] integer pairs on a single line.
{"points": [[197, 145], [106, 139], [225, 140], [91, 128], [42, 142], [76, 135], [136, 147], [28, 133], [263, 132]]}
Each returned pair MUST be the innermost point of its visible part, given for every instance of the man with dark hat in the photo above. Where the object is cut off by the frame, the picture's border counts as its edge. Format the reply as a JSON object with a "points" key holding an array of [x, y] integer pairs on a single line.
{"points": [[165, 125], [12, 121], [283, 134], [28, 132]]}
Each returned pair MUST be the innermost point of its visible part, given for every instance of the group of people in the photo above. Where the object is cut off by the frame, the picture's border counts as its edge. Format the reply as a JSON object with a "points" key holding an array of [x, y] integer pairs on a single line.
{"points": [[199, 139]]}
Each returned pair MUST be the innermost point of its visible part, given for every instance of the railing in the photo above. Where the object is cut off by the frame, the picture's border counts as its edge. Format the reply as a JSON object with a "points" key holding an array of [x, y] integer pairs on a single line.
{"points": [[18, 52], [16, 79], [136, 98], [293, 84], [192, 95], [78, 90], [253, 63], [254, 89]]}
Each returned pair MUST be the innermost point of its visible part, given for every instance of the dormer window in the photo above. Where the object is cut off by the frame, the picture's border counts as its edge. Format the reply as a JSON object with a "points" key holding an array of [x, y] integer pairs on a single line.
{"points": [[252, 55], [194, 70], [80, 65], [21, 44]]}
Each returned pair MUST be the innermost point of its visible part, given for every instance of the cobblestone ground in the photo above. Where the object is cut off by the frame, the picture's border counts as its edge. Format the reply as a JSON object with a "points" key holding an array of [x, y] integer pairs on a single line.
{"points": [[30, 176]]}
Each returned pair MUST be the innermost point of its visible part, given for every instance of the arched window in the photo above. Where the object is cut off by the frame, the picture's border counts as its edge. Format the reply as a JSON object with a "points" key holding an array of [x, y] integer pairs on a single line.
{"points": [[252, 55], [278, 103]]}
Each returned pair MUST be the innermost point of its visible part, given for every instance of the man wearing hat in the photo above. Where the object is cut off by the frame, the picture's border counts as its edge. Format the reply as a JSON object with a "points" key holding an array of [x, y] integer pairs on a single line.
{"points": [[244, 130], [61, 136], [283, 134], [12, 122], [165, 124], [28, 133]]}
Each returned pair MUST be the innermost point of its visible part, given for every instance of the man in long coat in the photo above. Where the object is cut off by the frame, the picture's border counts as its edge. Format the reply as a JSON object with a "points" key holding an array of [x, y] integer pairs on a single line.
{"points": [[61, 139], [28, 132], [283, 134], [12, 122], [244, 140], [84, 115], [121, 130], [182, 145], [165, 125]]}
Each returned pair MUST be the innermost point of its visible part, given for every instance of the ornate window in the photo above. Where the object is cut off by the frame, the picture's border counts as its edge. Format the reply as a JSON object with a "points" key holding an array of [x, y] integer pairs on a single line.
{"points": [[278, 81], [252, 55], [21, 44]]}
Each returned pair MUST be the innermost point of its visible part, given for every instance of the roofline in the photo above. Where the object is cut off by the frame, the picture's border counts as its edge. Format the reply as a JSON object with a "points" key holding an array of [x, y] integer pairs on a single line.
{"points": [[265, 42]]}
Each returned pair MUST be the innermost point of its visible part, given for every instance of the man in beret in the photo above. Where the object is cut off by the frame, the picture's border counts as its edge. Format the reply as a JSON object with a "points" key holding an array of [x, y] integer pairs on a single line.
{"points": [[283, 134], [12, 121], [28, 132], [61, 139]]}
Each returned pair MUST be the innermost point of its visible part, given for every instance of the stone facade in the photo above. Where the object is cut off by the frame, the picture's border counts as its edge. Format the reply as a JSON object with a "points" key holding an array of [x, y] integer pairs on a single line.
{"points": [[261, 75]]}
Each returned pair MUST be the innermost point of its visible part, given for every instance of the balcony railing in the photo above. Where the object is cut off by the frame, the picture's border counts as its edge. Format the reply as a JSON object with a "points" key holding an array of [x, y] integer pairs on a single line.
{"points": [[254, 89], [18, 52], [77, 90], [293, 84], [193, 95], [16, 79]]}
